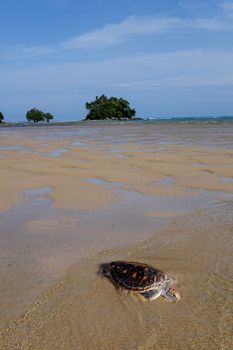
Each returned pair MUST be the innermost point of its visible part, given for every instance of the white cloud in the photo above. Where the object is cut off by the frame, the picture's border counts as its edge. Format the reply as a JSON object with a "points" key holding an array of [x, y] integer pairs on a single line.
{"points": [[112, 34], [182, 80], [148, 71], [115, 34], [133, 26]]}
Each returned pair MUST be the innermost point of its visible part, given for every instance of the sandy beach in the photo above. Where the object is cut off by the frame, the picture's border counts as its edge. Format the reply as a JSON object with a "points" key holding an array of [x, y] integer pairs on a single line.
{"points": [[73, 197]]}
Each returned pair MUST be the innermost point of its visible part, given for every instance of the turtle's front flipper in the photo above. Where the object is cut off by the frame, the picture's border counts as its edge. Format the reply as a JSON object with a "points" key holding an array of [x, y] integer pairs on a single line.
{"points": [[151, 294], [171, 295]]}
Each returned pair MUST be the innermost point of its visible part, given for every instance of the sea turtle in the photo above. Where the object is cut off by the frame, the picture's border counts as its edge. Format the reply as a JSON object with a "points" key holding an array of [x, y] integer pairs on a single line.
{"points": [[144, 279]]}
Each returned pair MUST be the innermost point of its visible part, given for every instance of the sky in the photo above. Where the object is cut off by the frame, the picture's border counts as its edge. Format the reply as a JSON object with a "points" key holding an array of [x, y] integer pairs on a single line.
{"points": [[167, 58]]}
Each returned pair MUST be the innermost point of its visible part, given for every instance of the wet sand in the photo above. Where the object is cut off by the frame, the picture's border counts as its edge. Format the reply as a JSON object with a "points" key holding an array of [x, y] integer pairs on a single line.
{"points": [[73, 198]]}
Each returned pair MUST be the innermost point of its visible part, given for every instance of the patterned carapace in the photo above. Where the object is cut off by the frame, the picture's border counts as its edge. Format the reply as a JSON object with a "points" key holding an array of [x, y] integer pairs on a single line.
{"points": [[135, 276]]}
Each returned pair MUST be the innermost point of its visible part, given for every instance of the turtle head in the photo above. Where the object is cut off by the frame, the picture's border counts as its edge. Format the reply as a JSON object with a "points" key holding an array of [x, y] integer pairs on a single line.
{"points": [[171, 294], [104, 270]]}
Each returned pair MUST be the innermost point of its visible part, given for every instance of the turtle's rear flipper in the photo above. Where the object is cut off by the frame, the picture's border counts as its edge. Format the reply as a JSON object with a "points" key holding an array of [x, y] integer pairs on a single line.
{"points": [[151, 294], [171, 295]]}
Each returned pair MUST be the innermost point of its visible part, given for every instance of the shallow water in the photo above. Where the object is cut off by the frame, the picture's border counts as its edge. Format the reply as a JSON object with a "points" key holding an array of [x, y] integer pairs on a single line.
{"points": [[227, 179], [140, 134]]}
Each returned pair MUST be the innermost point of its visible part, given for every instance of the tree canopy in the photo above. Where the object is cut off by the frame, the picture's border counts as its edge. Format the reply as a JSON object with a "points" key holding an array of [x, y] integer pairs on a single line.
{"points": [[37, 115], [48, 117], [1, 117], [109, 108]]}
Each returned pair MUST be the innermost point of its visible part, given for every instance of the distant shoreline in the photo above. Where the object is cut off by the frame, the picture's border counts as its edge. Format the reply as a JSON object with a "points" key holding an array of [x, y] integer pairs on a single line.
{"points": [[179, 120]]}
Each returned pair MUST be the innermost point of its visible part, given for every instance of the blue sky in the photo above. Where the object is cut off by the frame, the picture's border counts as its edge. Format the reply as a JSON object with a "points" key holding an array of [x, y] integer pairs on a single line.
{"points": [[168, 58]]}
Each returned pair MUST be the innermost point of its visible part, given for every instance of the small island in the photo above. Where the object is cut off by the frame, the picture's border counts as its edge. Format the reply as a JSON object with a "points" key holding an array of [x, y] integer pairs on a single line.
{"points": [[102, 108], [113, 108]]}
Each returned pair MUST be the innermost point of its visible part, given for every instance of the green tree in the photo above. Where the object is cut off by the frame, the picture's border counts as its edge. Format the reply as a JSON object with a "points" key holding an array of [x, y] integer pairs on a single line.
{"points": [[109, 108], [36, 115], [1, 117], [48, 117]]}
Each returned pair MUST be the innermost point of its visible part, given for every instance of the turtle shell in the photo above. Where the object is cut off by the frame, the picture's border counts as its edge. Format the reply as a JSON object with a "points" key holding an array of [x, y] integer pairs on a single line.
{"points": [[136, 276]]}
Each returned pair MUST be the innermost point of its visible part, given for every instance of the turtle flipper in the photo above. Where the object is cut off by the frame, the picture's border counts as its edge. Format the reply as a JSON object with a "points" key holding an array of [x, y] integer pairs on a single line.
{"points": [[151, 294], [171, 295]]}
